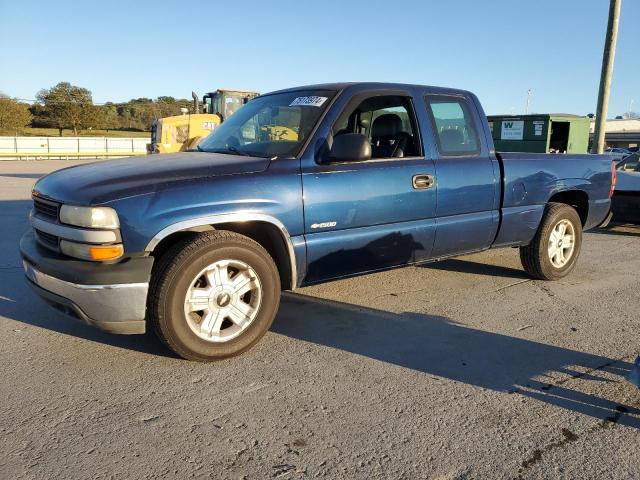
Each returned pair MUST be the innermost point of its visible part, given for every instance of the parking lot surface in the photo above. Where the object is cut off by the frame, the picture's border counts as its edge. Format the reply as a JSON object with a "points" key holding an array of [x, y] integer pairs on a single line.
{"points": [[455, 370]]}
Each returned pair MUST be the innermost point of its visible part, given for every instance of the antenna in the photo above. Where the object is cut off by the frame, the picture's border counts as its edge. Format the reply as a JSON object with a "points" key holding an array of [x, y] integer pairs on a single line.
{"points": [[526, 108]]}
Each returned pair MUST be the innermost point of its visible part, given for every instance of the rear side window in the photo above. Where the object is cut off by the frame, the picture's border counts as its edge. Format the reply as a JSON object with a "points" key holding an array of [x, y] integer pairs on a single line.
{"points": [[456, 133]]}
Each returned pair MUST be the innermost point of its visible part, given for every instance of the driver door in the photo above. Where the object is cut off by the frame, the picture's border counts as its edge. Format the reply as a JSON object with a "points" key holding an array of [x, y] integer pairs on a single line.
{"points": [[370, 215]]}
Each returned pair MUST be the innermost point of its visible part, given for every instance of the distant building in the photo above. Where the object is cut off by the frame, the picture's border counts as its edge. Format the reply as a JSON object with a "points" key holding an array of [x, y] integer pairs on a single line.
{"points": [[624, 133]]}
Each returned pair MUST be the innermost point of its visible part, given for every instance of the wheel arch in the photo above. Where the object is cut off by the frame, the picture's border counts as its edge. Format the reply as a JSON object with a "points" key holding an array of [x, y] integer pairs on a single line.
{"points": [[575, 198], [266, 230]]}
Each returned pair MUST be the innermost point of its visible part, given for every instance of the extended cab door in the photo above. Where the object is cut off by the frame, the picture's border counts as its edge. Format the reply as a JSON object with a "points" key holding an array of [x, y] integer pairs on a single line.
{"points": [[368, 215], [467, 175]]}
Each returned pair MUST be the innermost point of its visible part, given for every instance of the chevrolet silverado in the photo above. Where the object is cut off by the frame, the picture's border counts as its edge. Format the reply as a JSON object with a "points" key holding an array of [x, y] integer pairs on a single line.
{"points": [[370, 176]]}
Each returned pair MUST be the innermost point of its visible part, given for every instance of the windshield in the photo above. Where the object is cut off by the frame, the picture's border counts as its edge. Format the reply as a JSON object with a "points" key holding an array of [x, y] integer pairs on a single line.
{"points": [[270, 126]]}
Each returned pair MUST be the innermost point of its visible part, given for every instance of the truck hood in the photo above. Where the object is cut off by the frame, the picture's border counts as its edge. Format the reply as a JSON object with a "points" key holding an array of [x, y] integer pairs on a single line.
{"points": [[105, 181]]}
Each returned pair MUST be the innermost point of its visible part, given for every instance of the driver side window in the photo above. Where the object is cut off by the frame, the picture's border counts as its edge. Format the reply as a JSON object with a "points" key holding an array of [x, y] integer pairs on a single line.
{"points": [[388, 123]]}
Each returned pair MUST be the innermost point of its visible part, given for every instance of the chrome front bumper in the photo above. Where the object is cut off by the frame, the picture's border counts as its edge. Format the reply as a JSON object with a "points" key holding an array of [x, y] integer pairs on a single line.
{"points": [[118, 308]]}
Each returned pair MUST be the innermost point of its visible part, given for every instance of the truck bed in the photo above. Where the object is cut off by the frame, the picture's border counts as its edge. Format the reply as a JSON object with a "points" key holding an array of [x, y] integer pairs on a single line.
{"points": [[531, 180]]}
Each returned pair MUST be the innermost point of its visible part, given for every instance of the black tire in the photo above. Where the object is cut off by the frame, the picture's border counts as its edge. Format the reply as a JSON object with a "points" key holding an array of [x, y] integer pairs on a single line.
{"points": [[535, 257], [173, 276]]}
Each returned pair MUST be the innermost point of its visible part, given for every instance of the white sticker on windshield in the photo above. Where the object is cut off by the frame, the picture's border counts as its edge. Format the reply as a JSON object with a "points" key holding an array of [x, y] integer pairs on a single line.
{"points": [[311, 101]]}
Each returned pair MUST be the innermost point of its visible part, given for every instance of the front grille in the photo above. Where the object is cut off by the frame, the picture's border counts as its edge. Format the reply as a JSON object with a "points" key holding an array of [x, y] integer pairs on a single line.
{"points": [[47, 239], [46, 208]]}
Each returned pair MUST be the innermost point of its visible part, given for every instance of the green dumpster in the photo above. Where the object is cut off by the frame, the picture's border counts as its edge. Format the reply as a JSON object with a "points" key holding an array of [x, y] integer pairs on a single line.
{"points": [[540, 133]]}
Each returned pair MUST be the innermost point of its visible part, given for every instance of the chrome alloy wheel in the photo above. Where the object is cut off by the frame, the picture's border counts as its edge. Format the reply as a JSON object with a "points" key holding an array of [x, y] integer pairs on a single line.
{"points": [[222, 300], [562, 243]]}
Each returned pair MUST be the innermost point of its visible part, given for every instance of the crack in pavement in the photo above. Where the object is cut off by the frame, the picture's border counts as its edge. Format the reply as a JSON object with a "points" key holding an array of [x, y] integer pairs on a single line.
{"points": [[404, 292], [513, 284]]}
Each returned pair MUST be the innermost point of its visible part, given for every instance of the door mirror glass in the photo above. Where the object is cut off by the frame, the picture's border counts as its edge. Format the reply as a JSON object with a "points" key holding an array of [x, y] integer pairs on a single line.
{"points": [[350, 147]]}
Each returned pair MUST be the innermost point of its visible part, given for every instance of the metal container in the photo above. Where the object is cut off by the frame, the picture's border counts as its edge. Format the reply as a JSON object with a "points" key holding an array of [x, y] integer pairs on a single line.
{"points": [[540, 133]]}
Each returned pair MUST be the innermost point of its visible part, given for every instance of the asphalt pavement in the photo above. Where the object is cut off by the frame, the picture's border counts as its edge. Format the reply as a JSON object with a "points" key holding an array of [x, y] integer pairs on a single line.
{"points": [[461, 369]]}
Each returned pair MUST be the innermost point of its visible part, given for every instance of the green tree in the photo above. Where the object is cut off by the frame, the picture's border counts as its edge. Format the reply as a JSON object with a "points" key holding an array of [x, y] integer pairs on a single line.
{"points": [[67, 106], [107, 117], [168, 106], [14, 115], [165, 99]]}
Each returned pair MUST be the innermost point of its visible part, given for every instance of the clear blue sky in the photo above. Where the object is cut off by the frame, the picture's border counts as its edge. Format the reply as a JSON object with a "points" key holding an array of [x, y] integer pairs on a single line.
{"points": [[498, 49]]}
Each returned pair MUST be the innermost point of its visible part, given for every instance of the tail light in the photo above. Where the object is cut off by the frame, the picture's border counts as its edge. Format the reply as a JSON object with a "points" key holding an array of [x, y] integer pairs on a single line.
{"points": [[614, 179]]}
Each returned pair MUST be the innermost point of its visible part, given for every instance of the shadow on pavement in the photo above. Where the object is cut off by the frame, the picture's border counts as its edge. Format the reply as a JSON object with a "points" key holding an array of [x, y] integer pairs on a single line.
{"points": [[469, 266], [620, 229], [19, 303], [429, 344], [436, 346]]}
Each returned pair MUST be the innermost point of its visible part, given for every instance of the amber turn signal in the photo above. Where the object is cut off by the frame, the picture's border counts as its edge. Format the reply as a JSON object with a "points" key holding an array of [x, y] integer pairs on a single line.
{"points": [[96, 253], [110, 252]]}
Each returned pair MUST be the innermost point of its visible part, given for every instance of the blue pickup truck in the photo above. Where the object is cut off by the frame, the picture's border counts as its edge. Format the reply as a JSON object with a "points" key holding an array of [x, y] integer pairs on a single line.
{"points": [[299, 187]]}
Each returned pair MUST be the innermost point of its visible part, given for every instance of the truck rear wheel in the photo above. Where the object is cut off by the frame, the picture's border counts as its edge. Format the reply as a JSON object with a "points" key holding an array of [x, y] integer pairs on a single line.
{"points": [[214, 295], [554, 250]]}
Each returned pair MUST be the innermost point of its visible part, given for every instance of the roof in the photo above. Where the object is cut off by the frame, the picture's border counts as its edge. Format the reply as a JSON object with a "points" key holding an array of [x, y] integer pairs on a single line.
{"points": [[368, 85], [227, 90], [620, 125], [620, 136], [318, 86]]}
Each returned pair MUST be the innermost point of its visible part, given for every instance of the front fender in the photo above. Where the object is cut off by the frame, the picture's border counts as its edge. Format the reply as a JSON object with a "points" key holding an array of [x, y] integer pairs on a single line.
{"points": [[238, 217]]}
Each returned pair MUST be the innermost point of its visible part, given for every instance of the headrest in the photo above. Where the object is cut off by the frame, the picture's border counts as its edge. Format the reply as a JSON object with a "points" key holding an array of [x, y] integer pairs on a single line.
{"points": [[451, 140], [386, 125]]}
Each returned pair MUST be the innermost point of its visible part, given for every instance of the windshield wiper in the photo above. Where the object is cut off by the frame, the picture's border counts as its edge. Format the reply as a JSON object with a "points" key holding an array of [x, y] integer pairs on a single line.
{"points": [[235, 151], [231, 150], [238, 151]]}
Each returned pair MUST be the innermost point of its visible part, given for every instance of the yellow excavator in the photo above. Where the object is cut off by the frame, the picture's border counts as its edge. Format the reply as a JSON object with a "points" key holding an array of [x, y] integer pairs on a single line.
{"points": [[180, 133]]}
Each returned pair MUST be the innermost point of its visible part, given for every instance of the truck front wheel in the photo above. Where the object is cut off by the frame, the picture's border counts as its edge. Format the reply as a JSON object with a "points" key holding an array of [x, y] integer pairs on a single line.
{"points": [[554, 250], [214, 295]]}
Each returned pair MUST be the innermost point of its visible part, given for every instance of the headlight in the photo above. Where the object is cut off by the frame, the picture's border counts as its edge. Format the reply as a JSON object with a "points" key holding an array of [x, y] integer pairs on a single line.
{"points": [[90, 217], [97, 253]]}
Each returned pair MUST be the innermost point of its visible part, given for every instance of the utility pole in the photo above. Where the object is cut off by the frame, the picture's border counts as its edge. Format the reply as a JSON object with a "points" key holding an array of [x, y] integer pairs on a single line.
{"points": [[526, 109], [608, 57]]}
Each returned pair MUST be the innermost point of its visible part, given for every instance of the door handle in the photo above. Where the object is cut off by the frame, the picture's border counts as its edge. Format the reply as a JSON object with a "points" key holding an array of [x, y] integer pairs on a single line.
{"points": [[423, 181]]}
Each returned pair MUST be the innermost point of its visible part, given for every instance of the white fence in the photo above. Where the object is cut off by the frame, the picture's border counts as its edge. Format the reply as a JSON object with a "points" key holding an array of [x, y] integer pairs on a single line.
{"points": [[71, 147]]}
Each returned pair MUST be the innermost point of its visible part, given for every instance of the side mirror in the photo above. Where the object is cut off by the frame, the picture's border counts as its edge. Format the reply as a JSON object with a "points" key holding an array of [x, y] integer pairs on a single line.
{"points": [[350, 147]]}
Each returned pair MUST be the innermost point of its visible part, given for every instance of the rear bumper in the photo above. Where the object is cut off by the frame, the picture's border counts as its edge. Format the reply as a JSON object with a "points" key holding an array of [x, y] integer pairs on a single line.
{"points": [[113, 307], [625, 206]]}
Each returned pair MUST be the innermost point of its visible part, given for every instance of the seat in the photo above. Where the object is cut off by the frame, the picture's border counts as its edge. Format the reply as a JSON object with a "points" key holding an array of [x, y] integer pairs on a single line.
{"points": [[387, 137], [362, 125]]}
